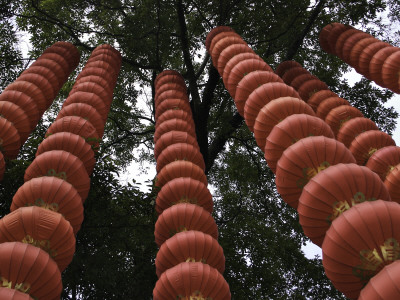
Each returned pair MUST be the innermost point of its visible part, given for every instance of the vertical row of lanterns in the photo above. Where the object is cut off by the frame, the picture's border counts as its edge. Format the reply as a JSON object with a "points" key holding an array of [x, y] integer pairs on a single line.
{"points": [[190, 262], [47, 210], [374, 59], [317, 174], [24, 101]]}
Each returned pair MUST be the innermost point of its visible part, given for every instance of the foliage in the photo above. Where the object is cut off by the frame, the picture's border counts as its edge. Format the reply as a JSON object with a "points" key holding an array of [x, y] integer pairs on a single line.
{"points": [[260, 234]]}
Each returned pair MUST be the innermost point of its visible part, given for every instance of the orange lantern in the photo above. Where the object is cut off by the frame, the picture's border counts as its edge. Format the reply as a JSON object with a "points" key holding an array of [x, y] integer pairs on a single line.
{"points": [[63, 165], [180, 151], [376, 63], [92, 88], [49, 91], [184, 190], [219, 46], [180, 168], [390, 72], [367, 55], [273, 113], [328, 104], [384, 285], [175, 114], [232, 63], [9, 139], [286, 66], [384, 160], [108, 86], [174, 125], [173, 137], [41, 228], [215, 31], [392, 182], [229, 52], [249, 83], [183, 217], [190, 246], [367, 143], [352, 128], [293, 73], [305, 159], [357, 50], [338, 116], [359, 243], [30, 270], [289, 131], [90, 99], [71, 143], [318, 97], [191, 280], [170, 94], [330, 193], [174, 104], [54, 194], [17, 117], [262, 96], [310, 87]]}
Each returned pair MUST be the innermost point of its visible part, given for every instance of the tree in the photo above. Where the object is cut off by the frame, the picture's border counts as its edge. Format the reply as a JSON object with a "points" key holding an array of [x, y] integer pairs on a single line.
{"points": [[259, 233]]}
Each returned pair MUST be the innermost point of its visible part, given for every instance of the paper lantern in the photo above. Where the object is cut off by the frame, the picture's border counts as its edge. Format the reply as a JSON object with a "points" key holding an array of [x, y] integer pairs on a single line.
{"points": [[229, 52], [219, 37], [84, 111], [191, 280], [63, 165], [384, 285], [305, 159], [342, 39], [90, 99], [318, 97], [173, 86], [215, 31], [367, 55], [293, 73], [174, 104], [175, 114], [376, 63], [359, 243], [330, 193], [334, 35], [183, 217], [170, 78], [384, 160], [392, 182], [273, 113], [11, 294], [54, 66], [41, 228], [71, 143], [78, 126], [249, 83], [93, 88], [180, 168], [104, 65], [32, 91], [49, 91], [352, 128], [108, 86], [92, 71], [390, 72], [30, 270], [54, 194], [9, 139], [338, 116], [180, 151], [222, 44], [190, 246], [328, 104], [173, 137], [286, 66], [174, 125], [262, 96], [17, 117], [289, 131], [310, 87], [170, 94], [302, 78], [349, 44], [367, 143], [357, 50], [234, 61], [184, 190], [323, 37]]}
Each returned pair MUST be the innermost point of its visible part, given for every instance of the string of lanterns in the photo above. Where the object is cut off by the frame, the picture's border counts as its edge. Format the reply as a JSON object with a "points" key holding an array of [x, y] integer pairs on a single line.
{"points": [[37, 239], [190, 262], [312, 140]]}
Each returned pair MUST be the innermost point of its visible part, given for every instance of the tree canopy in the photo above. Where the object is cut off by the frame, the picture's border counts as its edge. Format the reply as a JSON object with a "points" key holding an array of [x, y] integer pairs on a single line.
{"points": [[259, 233]]}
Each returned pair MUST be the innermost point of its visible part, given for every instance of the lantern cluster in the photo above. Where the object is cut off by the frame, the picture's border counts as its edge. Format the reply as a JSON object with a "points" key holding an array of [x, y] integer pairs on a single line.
{"points": [[316, 173], [190, 262], [376, 60], [24, 101], [47, 210]]}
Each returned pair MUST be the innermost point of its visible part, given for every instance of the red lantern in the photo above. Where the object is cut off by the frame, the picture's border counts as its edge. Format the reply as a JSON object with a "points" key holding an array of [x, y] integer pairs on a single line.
{"points": [[41, 228], [262, 96], [338, 116], [318, 97], [174, 125], [49, 91], [289, 131], [328, 104], [293, 73], [30, 270], [302, 78], [173, 137], [305, 159], [286, 66], [190, 246], [219, 37], [191, 280], [90, 99], [274, 112], [175, 114], [392, 182], [63, 165], [367, 143], [232, 63], [352, 128], [357, 50], [47, 73], [366, 57], [350, 43], [310, 87], [174, 104], [93, 88], [170, 94], [183, 217], [384, 160], [359, 243], [17, 117], [376, 63], [71, 143], [249, 83], [108, 86], [30, 90], [215, 31], [384, 285], [178, 169], [390, 72], [92, 71], [54, 194], [342, 39], [330, 193], [184, 190], [11, 294], [229, 52], [9, 139], [180, 151], [222, 44], [173, 86]]}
